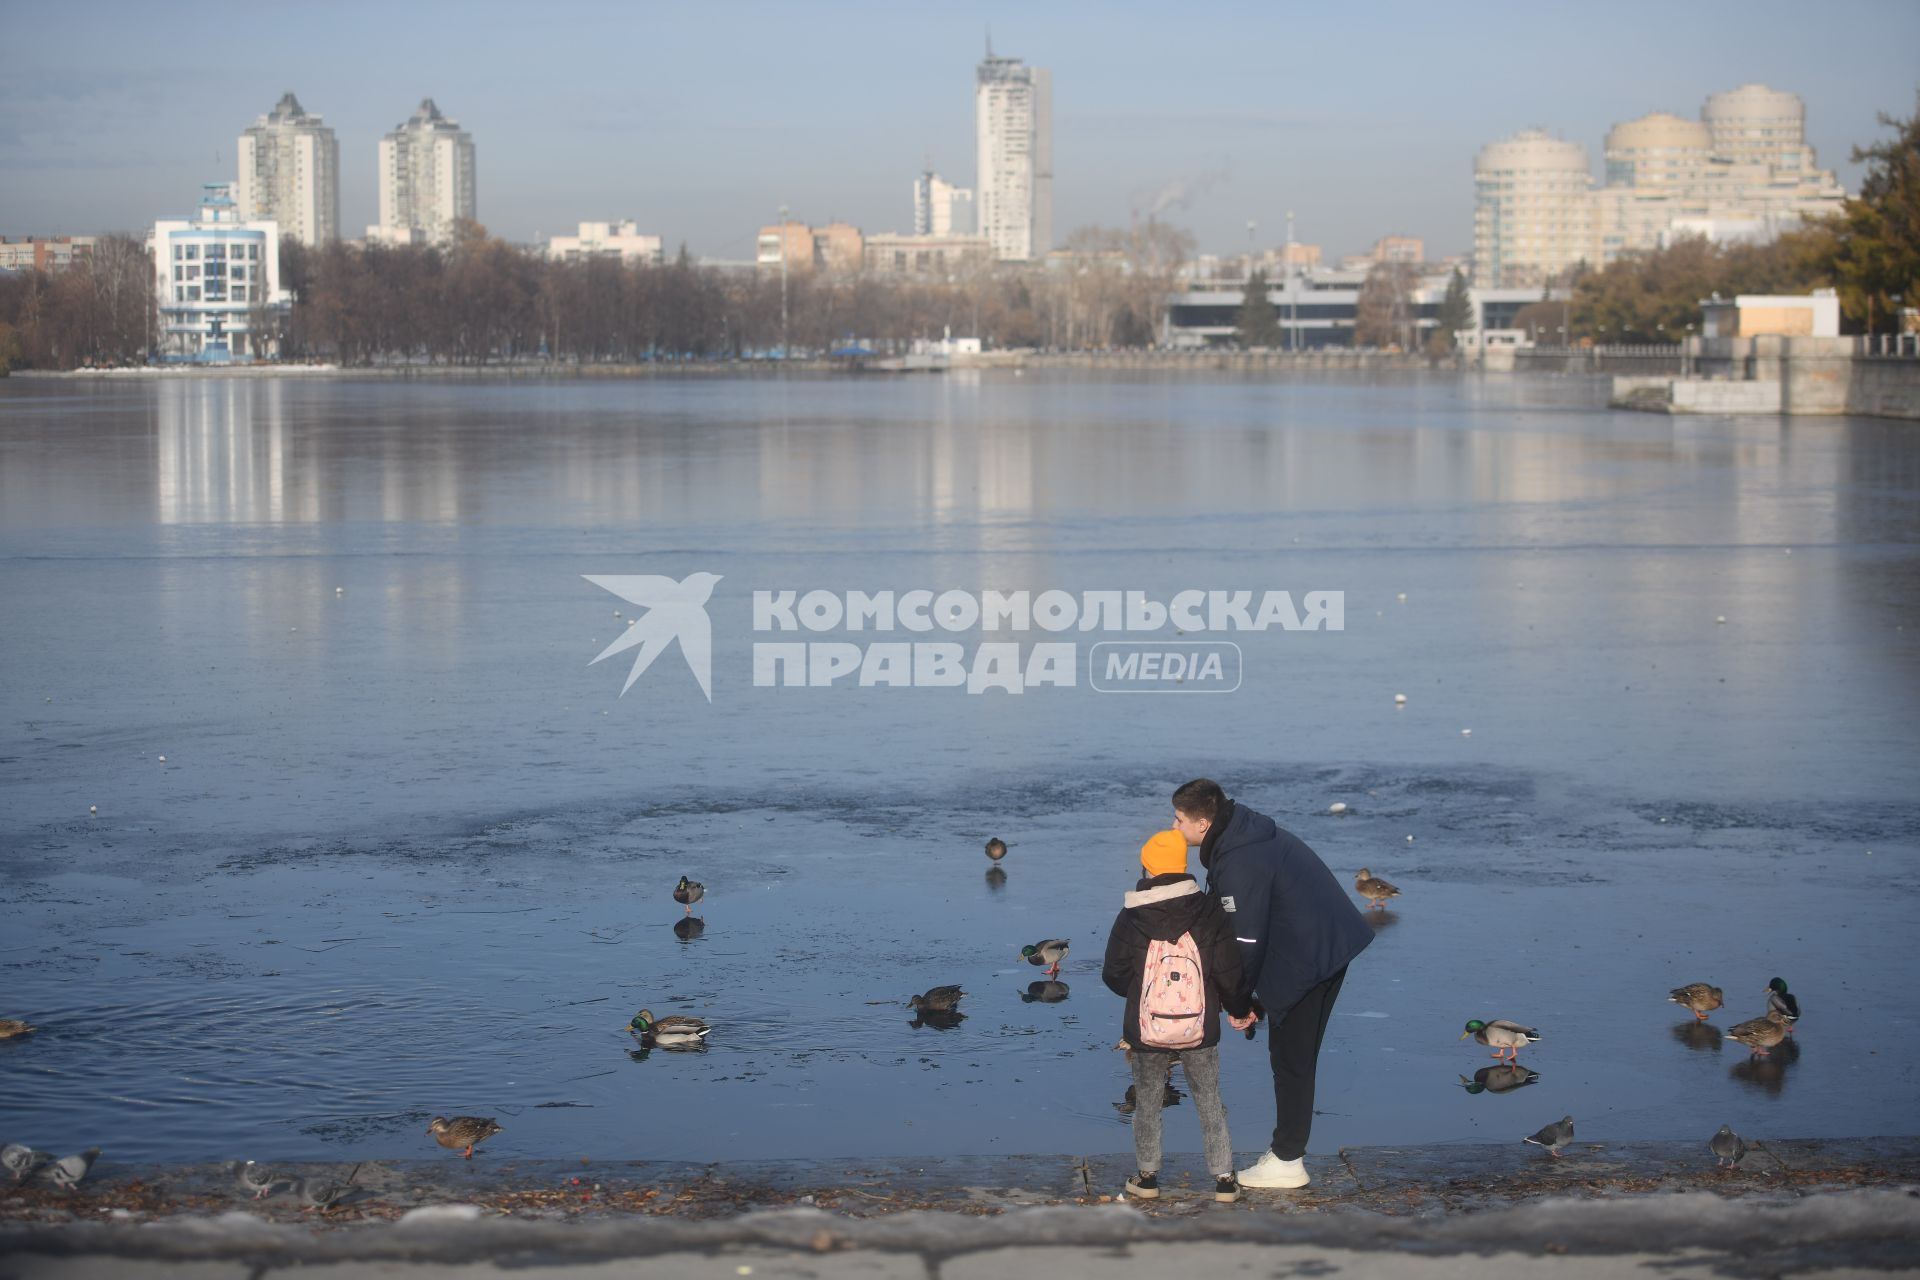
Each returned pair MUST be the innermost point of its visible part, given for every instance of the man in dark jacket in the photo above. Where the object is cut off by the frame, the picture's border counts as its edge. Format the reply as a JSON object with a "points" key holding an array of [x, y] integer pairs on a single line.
{"points": [[1297, 931], [1167, 904]]}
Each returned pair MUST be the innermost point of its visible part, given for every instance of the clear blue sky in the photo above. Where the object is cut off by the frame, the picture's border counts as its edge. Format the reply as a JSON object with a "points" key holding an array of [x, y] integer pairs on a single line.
{"points": [[698, 120]]}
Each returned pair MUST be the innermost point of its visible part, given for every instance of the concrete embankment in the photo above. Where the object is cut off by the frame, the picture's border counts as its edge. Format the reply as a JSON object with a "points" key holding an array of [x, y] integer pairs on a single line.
{"points": [[1806, 1206], [1800, 376]]}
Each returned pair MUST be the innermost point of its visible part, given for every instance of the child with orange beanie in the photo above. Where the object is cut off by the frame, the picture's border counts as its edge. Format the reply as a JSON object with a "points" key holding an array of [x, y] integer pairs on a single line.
{"points": [[1171, 953]]}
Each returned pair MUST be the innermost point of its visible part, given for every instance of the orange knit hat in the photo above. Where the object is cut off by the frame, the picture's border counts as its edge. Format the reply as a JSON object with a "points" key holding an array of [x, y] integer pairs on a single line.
{"points": [[1164, 854]]}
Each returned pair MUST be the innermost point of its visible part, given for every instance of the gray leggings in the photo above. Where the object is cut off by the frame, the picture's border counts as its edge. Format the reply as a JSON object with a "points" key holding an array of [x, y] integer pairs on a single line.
{"points": [[1202, 1069]]}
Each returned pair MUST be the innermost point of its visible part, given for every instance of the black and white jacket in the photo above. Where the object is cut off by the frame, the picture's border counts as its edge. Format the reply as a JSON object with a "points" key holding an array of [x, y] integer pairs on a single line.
{"points": [[1165, 907]]}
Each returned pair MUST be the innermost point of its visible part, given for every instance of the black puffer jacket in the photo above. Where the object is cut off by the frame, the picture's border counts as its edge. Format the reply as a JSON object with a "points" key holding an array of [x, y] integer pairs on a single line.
{"points": [[1166, 907]]}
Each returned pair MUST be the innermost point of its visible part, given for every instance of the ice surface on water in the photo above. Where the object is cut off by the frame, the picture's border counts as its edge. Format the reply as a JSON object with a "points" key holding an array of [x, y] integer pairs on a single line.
{"points": [[399, 864]]}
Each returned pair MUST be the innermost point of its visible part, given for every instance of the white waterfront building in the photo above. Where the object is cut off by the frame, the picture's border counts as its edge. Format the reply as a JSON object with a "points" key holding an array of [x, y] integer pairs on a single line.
{"points": [[290, 173], [1013, 135], [622, 241], [216, 278], [426, 179]]}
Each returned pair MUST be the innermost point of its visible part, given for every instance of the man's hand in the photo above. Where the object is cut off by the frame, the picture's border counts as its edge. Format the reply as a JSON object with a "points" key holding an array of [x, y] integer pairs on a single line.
{"points": [[1243, 1024]]}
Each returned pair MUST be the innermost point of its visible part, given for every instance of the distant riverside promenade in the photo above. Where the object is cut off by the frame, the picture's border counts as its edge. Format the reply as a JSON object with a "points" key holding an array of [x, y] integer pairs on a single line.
{"points": [[1763, 375]]}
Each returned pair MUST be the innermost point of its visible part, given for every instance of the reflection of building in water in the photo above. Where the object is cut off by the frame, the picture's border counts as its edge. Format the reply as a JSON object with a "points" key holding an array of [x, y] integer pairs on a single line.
{"points": [[222, 455]]}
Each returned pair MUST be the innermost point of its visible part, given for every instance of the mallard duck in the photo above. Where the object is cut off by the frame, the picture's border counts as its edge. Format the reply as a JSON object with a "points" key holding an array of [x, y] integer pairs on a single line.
{"points": [[996, 848], [688, 892], [1375, 890], [1697, 996], [1504, 1078], [1727, 1145], [1554, 1136], [1504, 1037], [1783, 1002], [11, 1027], [462, 1131], [1048, 951], [675, 1031], [938, 1000], [1761, 1034]]}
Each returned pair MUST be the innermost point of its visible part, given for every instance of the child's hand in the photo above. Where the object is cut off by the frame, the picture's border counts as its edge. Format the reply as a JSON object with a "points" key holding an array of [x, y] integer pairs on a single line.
{"points": [[1242, 1024]]}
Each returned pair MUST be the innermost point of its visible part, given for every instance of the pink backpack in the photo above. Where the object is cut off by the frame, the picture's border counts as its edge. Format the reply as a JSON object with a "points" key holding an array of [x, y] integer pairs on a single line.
{"points": [[1173, 995]]}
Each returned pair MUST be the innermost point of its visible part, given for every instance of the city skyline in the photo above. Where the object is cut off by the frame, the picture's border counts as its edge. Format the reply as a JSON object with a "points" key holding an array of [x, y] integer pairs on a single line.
{"points": [[1262, 112]]}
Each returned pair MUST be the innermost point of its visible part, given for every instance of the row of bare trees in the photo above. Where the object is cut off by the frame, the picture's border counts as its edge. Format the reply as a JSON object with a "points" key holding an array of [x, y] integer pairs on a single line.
{"points": [[479, 299], [99, 311]]}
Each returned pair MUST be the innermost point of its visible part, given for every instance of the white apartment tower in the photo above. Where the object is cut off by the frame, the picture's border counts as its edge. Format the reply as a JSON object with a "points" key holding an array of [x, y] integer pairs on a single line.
{"points": [[1013, 133], [940, 208], [426, 177], [290, 174]]}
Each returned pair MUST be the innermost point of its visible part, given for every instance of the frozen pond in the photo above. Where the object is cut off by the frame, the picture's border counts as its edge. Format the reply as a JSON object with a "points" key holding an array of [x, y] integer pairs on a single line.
{"points": [[410, 854]]}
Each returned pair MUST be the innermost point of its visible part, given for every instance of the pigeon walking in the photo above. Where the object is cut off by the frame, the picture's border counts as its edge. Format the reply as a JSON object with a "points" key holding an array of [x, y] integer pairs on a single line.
{"points": [[21, 1160], [1554, 1136], [1728, 1146], [255, 1178], [69, 1170], [320, 1193]]}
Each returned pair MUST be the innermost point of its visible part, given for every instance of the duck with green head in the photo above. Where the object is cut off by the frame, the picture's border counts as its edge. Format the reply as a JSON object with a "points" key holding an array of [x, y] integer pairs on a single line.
{"points": [[675, 1031], [1503, 1037], [1782, 1002], [1048, 951]]}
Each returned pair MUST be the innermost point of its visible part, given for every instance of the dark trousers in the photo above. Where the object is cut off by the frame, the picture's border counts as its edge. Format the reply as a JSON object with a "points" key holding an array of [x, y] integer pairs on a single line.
{"points": [[1293, 1047]]}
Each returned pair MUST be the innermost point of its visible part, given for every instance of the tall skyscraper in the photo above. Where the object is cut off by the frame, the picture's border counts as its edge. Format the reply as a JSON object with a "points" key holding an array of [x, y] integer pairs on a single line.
{"points": [[426, 177], [1013, 133], [290, 173], [940, 208]]}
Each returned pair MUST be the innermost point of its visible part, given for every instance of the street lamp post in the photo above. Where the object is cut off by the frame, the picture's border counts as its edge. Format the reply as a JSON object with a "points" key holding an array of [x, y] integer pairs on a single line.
{"points": [[784, 350]]}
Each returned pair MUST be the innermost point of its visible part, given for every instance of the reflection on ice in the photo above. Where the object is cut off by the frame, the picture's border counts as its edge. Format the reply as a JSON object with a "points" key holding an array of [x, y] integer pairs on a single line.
{"points": [[1046, 991], [687, 928], [1501, 1079], [1699, 1036]]}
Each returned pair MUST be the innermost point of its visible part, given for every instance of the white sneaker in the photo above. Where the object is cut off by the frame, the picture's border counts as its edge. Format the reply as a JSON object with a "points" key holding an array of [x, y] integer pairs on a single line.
{"points": [[1270, 1172]]}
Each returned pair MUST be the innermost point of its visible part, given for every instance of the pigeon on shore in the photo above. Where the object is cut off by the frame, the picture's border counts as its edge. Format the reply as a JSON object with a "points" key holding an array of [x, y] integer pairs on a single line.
{"points": [[319, 1193], [1554, 1136], [1728, 1146], [67, 1171], [21, 1160], [255, 1178]]}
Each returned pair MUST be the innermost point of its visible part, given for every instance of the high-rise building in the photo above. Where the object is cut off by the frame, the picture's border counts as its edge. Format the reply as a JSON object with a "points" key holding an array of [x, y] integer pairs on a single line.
{"points": [[426, 178], [1013, 134], [940, 208], [216, 278], [1533, 210], [290, 173], [1743, 171]]}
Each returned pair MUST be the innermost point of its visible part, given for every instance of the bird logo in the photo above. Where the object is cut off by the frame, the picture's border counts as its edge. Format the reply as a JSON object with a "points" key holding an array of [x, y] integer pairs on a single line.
{"points": [[674, 611]]}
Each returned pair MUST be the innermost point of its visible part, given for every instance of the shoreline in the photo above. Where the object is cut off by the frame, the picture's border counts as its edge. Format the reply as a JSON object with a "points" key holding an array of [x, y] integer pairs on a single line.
{"points": [[1807, 1205]]}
